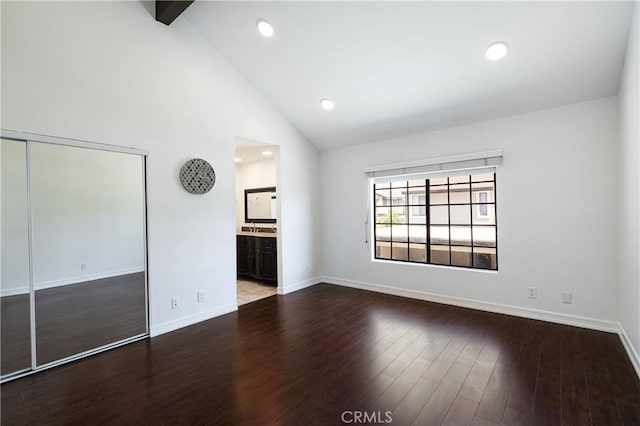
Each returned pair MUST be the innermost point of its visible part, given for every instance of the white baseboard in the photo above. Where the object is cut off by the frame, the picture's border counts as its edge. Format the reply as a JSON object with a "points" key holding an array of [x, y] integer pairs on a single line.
{"points": [[299, 286], [88, 277], [631, 351], [16, 291], [168, 326], [577, 321], [71, 280]]}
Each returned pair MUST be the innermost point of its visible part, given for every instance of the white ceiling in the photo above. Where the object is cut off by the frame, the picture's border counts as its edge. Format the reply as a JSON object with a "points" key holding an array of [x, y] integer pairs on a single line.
{"points": [[251, 154], [400, 68]]}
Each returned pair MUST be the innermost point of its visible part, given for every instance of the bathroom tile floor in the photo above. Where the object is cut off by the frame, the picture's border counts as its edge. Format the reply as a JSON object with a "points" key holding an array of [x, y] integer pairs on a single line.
{"points": [[250, 291]]}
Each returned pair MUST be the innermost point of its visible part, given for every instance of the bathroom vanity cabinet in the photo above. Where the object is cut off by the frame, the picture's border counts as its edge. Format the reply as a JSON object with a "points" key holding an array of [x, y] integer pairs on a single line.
{"points": [[257, 257]]}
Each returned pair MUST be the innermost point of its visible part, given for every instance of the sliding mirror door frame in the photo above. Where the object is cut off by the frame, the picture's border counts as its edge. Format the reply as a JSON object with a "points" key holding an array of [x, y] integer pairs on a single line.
{"points": [[29, 139]]}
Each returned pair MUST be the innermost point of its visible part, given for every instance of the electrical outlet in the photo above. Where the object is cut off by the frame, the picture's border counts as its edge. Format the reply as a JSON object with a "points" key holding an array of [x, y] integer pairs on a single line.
{"points": [[83, 266], [567, 297], [200, 296], [175, 303], [533, 292]]}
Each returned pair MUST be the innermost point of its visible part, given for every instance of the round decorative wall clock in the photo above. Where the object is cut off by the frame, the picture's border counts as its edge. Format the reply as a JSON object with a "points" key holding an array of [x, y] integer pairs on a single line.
{"points": [[197, 176]]}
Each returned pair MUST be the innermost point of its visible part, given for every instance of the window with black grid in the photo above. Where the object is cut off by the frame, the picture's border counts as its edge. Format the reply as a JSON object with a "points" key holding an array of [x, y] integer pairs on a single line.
{"points": [[442, 220]]}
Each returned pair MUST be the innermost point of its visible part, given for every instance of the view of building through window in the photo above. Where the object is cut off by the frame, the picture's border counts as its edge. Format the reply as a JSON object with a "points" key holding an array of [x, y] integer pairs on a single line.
{"points": [[444, 221]]}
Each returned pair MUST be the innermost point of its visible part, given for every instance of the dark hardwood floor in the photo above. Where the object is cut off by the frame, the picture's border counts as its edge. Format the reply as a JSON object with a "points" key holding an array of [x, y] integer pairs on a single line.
{"points": [[321, 355], [15, 343], [71, 319]]}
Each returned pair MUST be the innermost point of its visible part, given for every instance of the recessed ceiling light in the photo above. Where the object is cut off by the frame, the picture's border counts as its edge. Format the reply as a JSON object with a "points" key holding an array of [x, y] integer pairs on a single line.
{"points": [[496, 51], [264, 28], [327, 104], [237, 159], [267, 153]]}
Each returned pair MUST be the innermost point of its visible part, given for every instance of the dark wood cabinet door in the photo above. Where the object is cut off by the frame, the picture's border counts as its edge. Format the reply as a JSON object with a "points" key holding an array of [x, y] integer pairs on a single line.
{"points": [[246, 255], [267, 265]]}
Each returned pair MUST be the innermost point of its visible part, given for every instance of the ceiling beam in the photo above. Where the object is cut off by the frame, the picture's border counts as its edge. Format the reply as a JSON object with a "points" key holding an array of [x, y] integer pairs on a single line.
{"points": [[168, 11]]}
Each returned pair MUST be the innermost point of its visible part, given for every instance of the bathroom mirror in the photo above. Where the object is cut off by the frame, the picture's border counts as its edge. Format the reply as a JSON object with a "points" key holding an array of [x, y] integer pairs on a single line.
{"points": [[260, 205]]}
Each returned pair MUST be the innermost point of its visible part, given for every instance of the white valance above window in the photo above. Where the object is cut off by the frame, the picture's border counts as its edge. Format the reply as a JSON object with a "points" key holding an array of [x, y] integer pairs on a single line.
{"points": [[478, 162]]}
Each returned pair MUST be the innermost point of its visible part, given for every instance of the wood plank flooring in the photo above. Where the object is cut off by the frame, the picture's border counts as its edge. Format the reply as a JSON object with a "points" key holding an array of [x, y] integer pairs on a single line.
{"points": [[71, 319], [329, 355]]}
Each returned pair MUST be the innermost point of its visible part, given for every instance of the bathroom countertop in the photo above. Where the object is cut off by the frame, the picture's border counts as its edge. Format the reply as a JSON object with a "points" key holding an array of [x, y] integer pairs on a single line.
{"points": [[258, 234]]}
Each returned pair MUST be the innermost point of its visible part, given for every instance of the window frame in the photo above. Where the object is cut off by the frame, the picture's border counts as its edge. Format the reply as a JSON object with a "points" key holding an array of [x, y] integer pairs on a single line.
{"points": [[474, 205]]}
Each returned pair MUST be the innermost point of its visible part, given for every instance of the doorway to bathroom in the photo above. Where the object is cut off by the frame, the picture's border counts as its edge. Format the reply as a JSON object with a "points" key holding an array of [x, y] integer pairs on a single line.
{"points": [[257, 220]]}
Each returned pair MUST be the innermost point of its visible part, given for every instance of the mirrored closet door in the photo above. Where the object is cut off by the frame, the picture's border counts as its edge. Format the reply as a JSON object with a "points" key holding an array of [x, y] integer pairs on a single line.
{"points": [[15, 332], [78, 217]]}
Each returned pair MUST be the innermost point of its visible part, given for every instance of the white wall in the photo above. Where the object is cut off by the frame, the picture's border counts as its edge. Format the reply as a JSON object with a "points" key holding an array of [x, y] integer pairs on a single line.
{"points": [[557, 211], [14, 227], [256, 174], [88, 208], [629, 193], [107, 72]]}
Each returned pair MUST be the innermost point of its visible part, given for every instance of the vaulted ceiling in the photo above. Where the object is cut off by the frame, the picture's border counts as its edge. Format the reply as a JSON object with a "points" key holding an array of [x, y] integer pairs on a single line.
{"points": [[400, 68]]}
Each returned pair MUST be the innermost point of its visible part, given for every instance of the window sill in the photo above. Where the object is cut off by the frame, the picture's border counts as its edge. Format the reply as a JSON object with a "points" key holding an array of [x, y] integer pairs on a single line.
{"points": [[431, 265]]}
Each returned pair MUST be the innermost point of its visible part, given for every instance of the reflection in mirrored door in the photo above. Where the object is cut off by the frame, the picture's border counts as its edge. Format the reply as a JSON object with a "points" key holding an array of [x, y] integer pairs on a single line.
{"points": [[88, 249], [15, 344]]}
